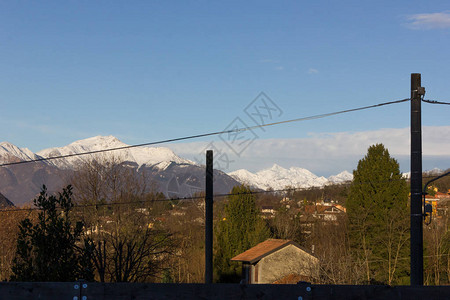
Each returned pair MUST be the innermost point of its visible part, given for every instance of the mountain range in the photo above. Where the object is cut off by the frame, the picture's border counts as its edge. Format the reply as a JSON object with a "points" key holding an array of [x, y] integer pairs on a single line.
{"points": [[277, 178], [158, 157], [173, 175]]}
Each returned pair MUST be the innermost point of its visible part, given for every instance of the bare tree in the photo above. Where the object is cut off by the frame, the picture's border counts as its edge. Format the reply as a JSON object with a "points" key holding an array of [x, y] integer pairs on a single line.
{"points": [[331, 246], [437, 251], [126, 243], [286, 225], [9, 229]]}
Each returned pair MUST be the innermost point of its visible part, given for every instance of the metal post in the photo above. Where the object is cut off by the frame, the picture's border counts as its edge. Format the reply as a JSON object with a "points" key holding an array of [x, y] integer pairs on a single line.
{"points": [[416, 182], [209, 218]]}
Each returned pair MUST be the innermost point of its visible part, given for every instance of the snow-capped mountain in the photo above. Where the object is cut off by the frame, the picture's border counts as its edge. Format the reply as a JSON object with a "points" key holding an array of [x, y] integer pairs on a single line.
{"points": [[159, 157], [21, 183], [170, 174], [12, 153], [278, 178], [432, 172], [341, 177]]}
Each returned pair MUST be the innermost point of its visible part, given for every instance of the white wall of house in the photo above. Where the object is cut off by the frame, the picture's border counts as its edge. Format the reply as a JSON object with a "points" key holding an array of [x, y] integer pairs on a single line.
{"points": [[285, 261]]}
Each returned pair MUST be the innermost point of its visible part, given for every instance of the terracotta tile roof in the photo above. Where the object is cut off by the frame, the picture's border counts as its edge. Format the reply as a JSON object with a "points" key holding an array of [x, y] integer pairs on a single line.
{"points": [[442, 195], [311, 209], [262, 249], [340, 207]]}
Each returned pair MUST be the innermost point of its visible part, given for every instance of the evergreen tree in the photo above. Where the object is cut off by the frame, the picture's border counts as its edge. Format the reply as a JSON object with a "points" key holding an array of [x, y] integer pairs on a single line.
{"points": [[239, 229], [377, 209], [47, 250]]}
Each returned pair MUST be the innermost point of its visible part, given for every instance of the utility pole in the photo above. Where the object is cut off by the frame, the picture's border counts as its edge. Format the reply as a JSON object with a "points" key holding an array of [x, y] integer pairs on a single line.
{"points": [[416, 181], [209, 218]]}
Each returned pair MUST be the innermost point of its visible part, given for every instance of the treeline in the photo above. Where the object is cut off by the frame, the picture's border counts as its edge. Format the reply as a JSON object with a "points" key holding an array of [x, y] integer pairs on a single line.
{"points": [[111, 225]]}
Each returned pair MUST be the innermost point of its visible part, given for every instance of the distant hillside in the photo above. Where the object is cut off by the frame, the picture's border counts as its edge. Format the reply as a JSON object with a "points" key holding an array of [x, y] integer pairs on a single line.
{"points": [[174, 176], [4, 202]]}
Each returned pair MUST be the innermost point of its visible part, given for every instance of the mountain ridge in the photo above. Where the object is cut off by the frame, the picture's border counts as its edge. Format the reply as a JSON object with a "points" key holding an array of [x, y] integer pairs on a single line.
{"points": [[277, 178], [11, 153], [174, 176], [150, 156]]}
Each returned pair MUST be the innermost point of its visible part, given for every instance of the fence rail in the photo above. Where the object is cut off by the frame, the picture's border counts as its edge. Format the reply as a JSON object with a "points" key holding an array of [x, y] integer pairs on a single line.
{"points": [[122, 291]]}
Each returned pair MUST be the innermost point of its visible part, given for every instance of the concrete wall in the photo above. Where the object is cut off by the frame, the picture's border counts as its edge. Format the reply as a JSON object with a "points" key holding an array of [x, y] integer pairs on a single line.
{"points": [[283, 262]]}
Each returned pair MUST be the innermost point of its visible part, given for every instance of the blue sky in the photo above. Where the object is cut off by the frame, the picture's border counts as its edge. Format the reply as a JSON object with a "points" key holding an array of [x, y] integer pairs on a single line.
{"points": [[150, 70]]}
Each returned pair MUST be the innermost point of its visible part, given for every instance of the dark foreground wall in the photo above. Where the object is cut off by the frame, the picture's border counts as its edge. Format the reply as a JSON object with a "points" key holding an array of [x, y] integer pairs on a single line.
{"points": [[122, 291]]}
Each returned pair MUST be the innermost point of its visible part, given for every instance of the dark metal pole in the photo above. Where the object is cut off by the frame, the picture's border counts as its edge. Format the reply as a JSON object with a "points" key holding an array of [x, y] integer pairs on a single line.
{"points": [[209, 218], [416, 182]]}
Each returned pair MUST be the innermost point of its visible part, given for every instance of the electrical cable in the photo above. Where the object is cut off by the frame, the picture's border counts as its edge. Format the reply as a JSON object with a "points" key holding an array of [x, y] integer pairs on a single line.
{"points": [[348, 183], [435, 102], [216, 133], [207, 134]]}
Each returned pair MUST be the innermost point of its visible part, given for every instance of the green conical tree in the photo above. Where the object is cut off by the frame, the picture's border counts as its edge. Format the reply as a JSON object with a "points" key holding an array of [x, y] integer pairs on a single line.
{"points": [[377, 209], [48, 250], [239, 229]]}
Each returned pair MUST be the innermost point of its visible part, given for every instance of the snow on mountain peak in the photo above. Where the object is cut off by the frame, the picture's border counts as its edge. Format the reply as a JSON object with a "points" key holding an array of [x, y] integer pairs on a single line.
{"points": [[150, 156], [99, 141], [278, 178], [341, 177], [10, 152], [276, 167]]}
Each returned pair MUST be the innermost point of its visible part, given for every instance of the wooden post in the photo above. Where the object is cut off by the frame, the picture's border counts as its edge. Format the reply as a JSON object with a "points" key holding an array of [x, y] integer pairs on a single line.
{"points": [[416, 182], [209, 218]]}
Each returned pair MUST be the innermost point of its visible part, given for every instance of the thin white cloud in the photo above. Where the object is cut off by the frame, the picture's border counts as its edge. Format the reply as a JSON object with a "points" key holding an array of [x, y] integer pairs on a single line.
{"points": [[313, 71], [439, 20], [279, 68], [329, 153], [40, 128]]}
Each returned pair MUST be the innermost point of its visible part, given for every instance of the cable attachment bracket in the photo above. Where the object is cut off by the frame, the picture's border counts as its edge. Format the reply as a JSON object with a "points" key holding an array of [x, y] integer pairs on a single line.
{"points": [[420, 91]]}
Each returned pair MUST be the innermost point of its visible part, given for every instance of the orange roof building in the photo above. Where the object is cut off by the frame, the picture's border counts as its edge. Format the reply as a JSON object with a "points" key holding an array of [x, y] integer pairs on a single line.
{"points": [[277, 260]]}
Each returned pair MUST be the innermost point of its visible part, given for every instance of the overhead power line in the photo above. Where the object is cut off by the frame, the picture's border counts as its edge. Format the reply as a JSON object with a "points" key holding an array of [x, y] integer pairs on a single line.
{"points": [[435, 102], [201, 197], [160, 200], [208, 134]]}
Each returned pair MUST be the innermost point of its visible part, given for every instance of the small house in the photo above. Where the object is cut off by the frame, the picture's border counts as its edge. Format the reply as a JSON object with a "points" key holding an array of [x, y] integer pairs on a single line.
{"points": [[325, 212], [267, 212], [278, 261]]}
